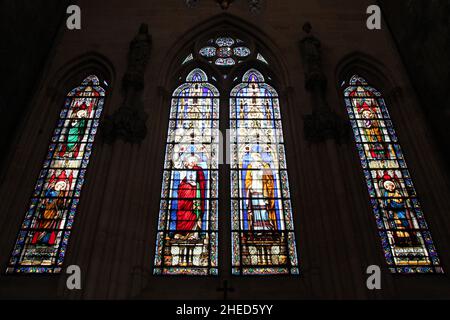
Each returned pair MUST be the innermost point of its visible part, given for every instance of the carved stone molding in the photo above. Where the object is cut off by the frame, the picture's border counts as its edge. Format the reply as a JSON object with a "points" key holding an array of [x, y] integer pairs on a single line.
{"points": [[127, 124]]}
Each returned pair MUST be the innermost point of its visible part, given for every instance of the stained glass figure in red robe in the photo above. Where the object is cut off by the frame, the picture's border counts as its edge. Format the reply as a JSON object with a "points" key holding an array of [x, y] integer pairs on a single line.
{"points": [[51, 210], [398, 211], [191, 200]]}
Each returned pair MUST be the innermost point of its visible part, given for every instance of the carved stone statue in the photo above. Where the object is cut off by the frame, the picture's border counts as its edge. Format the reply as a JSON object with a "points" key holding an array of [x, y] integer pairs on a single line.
{"points": [[138, 56], [311, 52], [323, 123], [128, 122]]}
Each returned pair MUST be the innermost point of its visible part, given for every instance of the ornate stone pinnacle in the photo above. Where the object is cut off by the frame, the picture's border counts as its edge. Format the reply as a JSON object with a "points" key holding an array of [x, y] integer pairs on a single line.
{"points": [[128, 122]]}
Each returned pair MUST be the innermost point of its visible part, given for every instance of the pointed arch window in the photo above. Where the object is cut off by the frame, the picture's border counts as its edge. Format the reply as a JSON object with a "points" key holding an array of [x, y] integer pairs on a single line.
{"points": [[406, 239], [187, 230], [263, 240], [44, 235]]}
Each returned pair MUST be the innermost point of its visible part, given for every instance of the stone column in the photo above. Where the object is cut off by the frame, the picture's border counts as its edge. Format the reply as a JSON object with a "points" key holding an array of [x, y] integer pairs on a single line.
{"points": [[324, 129], [128, 122], [118, 214]]}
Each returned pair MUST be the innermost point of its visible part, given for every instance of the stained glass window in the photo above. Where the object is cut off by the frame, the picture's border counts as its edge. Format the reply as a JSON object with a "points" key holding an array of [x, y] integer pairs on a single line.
{"points": [[208, 52], [43, 237], [261, 58], [190, 57], [225, 61], [224, 41], [225, 51], [404, 233], [263, 240], [241, 51], [187, 230]]}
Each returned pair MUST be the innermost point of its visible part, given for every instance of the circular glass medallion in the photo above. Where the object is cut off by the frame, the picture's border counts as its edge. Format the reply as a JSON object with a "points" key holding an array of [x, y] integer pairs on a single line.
{"points": [[208, 52], [224, 52], [225, 62], [242, 51], [224, 42]]}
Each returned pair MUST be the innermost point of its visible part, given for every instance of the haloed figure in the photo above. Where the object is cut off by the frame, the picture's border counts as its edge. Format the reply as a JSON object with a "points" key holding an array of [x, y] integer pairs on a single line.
{"points": [[397, 208], [191, 200], [259, 186], [372, 129], [77, 127], [51, 209]]}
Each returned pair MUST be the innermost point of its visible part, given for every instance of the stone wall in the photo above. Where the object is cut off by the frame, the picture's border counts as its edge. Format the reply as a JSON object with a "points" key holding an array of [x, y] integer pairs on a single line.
{"points": [[421, 30], [29, 31]]}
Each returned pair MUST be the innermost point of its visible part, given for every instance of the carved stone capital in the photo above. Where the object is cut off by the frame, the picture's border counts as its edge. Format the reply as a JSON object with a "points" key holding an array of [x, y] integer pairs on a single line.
{"points": [[315, 80], [323, 125], [127, 124]]}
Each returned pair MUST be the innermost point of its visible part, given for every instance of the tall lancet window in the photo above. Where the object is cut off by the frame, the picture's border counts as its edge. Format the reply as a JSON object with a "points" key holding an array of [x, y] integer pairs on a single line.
{"points": [[404, 233], [43, 237], [187, 231], [263, 240]]}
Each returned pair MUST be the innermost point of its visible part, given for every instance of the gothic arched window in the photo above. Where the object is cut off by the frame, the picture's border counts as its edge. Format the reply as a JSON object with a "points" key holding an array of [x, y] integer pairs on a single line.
{"points": [[262, 227], [404, 233], [262, 235], [43, 237], [187, 229]]}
